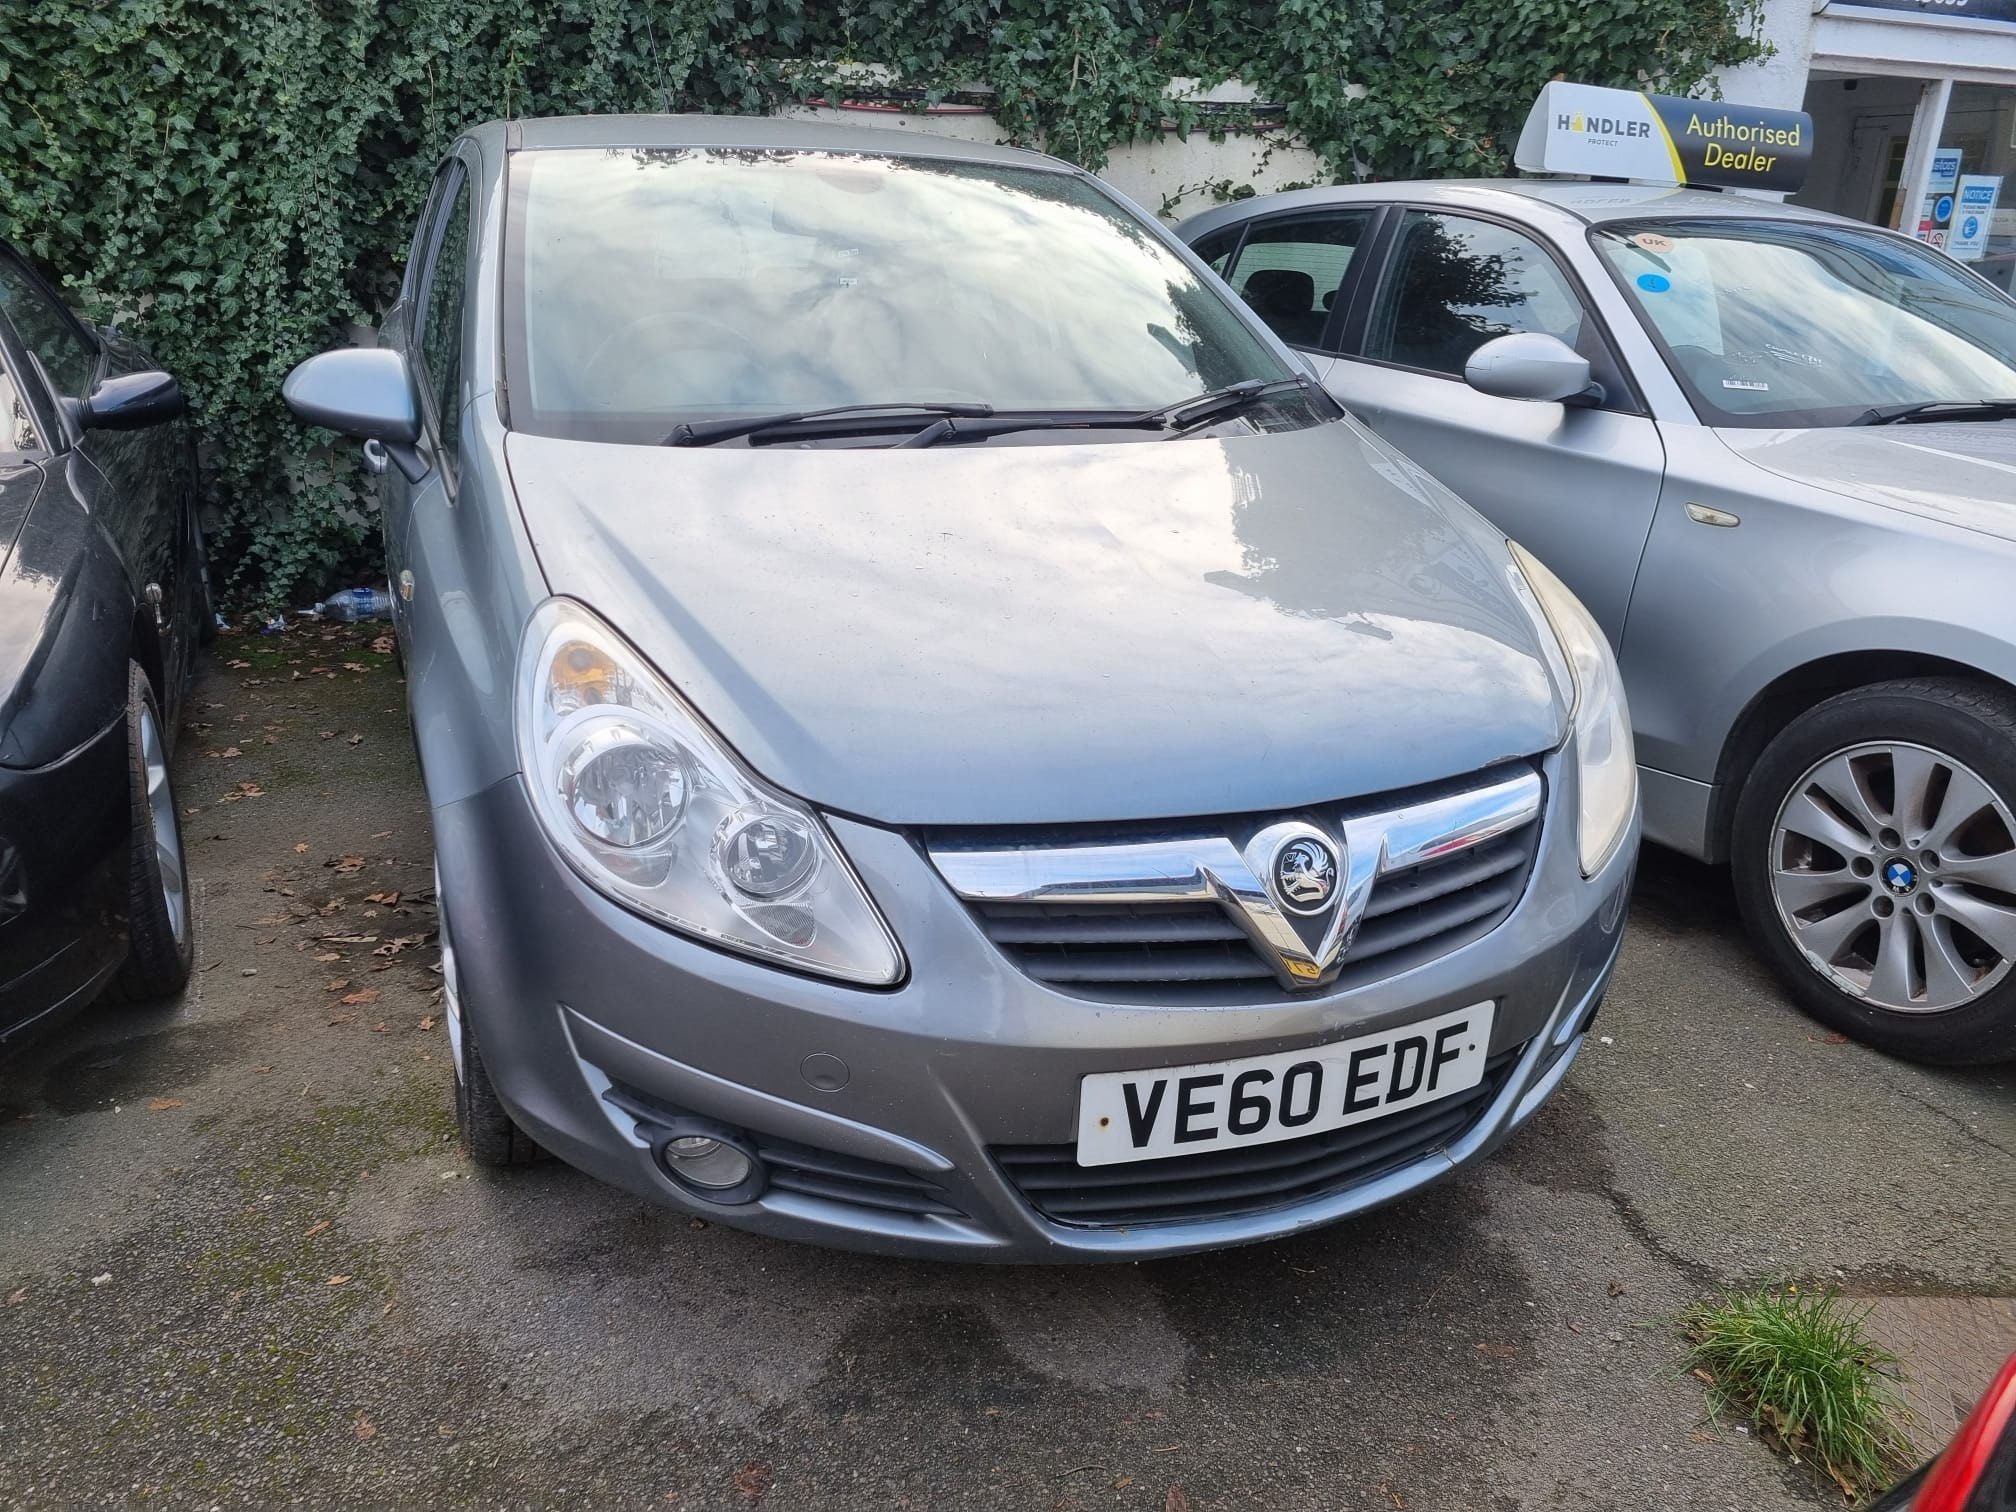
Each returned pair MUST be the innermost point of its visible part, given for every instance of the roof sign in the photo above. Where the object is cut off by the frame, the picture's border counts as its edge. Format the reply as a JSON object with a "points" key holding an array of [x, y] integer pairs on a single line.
{"points": [[1661, 139]]}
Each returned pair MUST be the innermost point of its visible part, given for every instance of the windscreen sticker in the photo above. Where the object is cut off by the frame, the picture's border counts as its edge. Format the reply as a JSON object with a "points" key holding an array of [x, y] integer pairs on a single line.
{"points": [[1751, 384], [1654, 283], [1652, 241]]}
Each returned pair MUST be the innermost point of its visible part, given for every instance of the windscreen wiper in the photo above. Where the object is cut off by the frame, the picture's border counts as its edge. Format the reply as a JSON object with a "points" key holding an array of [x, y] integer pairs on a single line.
{"points": [[1218, 404], [707, 432], [1938, 409], [1176, 418]]}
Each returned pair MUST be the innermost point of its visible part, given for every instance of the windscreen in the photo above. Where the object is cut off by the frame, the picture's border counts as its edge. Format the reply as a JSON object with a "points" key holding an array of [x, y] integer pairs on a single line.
{"points": [[649, 287], [1787, 323]]}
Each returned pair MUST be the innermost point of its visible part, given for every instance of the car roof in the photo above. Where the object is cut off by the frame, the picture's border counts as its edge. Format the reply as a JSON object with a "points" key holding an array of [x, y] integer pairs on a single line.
{"points": [[1585, 200], [773, 132]]}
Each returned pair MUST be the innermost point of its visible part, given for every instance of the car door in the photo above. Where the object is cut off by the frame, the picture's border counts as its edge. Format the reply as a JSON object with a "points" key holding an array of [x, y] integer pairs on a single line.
{"points": [[1576, 485], [138, 483], [408, 329], [1292, 268]]}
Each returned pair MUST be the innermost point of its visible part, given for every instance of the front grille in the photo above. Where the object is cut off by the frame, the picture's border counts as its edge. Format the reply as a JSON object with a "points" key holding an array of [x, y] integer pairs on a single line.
{"points": [[1194, 949], [808, 1172], [1228, 1183]]}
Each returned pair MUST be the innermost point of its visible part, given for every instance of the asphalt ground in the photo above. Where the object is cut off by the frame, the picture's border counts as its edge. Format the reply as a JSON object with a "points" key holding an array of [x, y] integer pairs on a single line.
{"points": [[242, 1264]]}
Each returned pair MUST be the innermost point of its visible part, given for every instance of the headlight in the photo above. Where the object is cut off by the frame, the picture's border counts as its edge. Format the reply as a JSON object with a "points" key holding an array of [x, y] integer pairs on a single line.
{"points": [[653, 811], [1606, 765]]}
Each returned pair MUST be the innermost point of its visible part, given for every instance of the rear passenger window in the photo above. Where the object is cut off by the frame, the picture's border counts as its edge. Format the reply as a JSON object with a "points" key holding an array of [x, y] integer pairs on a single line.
{"points": [[1455, 283], [1217, 247], [1290, 270]]}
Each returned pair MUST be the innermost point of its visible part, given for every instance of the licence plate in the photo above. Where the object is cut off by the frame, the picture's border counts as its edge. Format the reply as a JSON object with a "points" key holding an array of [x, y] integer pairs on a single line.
{"points": [[1222, 1105]]}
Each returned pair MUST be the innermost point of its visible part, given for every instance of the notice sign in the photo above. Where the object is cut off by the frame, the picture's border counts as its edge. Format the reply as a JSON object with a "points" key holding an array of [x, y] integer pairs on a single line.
{"points": [[1973, 215], [1661, 139]]}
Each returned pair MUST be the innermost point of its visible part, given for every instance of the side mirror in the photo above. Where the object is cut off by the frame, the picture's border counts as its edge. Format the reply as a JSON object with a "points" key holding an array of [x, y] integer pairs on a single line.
{"points": [[132, 401], [364, 392], [1532, 365]]}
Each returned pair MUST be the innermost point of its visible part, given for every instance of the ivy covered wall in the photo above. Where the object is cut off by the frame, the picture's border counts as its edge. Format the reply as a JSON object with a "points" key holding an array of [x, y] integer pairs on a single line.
{"points": [[234, 181]]}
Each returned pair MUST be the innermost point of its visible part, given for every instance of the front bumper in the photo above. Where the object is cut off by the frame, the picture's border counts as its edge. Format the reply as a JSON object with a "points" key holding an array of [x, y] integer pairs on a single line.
{"points": [[579, 1005]]}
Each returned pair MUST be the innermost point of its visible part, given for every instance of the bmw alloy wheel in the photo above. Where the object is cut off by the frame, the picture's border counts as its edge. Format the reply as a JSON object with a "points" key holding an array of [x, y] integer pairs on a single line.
{"points": [[1893, 868]]}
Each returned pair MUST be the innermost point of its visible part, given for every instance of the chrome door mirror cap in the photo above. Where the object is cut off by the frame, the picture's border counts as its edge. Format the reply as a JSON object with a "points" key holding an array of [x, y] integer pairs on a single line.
{"points": [[1530, 365], [364, 392]]}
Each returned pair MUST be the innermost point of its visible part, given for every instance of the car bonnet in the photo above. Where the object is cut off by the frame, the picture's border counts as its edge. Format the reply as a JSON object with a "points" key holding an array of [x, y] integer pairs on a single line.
{"points": [[1011, 634]]}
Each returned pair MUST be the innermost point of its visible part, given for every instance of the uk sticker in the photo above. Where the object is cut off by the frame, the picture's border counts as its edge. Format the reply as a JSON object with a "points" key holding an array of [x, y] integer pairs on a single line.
{"points": [[1652, 241], [1749, 384]]}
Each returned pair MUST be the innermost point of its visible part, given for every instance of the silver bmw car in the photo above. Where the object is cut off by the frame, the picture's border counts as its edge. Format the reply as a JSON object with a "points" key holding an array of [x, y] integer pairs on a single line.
{"points": [[1161, 817], [1774, 452]]}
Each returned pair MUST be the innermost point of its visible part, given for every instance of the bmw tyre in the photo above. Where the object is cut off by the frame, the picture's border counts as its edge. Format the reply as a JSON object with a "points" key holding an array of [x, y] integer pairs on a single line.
{"points": [[1874, 853], [490, 1135], [161, 938]]}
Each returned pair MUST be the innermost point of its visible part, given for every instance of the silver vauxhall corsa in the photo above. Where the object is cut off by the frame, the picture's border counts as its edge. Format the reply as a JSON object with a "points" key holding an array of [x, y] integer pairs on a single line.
{"points": [[1775, 454], [1155, 815]]}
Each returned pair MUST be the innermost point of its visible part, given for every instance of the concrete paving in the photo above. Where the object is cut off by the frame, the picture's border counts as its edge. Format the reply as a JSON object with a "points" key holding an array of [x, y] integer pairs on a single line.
{"points": [[241, 1263]]}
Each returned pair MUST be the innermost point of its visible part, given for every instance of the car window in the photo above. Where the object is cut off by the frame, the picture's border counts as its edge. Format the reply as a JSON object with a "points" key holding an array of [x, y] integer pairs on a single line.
{"points": [[19, 431], [1455, 283], [1216, 249], [441, 325], [646, 287], [1775, 323], [1290, 270], [47, 329]]}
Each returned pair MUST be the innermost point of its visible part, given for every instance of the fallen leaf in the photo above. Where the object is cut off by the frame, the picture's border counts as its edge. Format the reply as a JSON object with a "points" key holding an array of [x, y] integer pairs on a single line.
{"points": [[339, 1280], [1173, 1500], [335, 984], [326, 956], [343, 1018], [301, 849], [1121, 1483], [230, 751], [240, 665], [427, 1022], [1704, 1375], [365, 1427], [326, 734], [381, 1028], [163, 1104], [263, 1070], [356, 740], [752, 1481], [320, 1228], [361, 995], [100, 1280], [349, 864], [355, 667], [16, 1298], [386, 898], [383, 645], [1498, 1351], [1618, 1288]]}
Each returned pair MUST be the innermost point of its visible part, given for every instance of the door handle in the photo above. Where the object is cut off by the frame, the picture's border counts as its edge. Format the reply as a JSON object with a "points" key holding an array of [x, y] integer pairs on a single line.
{"points": [[375, 457]]}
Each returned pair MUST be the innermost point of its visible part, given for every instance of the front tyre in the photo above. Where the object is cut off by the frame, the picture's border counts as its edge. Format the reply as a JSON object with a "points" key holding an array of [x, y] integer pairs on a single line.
{"points": [[1874, 856], [161, 939], [490, 1135]]}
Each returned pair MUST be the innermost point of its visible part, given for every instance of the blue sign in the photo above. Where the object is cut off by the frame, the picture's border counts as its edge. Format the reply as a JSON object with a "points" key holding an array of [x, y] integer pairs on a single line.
{"points": [[1654, 283], [1971, 227], [1942, 209]]}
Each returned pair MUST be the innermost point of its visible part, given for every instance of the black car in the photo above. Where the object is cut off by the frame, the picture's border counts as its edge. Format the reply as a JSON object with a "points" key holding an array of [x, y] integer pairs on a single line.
{"points": [[103, 598]]}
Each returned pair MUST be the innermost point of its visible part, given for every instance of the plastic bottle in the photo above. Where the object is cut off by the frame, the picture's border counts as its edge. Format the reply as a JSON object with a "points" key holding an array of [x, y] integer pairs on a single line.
{"points": [[353, 604]]}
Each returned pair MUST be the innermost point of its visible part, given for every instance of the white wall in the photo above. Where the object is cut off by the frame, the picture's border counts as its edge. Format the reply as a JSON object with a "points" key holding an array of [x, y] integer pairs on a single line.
{"points": [[1777, 80]]}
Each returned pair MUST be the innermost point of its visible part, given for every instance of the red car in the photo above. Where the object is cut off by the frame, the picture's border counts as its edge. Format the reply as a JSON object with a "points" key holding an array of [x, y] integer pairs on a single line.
{"points": [[1977, 1473]]}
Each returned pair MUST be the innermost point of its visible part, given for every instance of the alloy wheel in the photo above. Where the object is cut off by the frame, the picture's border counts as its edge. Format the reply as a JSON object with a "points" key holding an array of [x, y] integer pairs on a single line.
{"points": [[1893, 868], [167, 831]]}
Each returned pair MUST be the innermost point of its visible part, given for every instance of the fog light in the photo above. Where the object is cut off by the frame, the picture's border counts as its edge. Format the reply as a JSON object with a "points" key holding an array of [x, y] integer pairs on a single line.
{"points": [[707, 1163]]}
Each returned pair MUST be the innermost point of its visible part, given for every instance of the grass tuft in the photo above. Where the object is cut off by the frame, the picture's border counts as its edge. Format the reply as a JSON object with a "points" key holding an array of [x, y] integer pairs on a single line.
{"points": [[1800, 1365]]}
